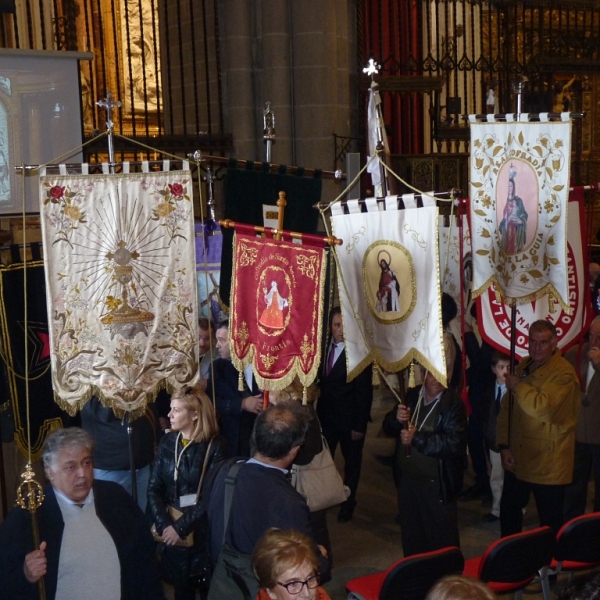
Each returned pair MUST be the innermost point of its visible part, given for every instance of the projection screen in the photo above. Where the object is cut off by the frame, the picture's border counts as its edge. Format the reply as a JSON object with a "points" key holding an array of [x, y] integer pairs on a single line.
{"points": [[40, 118]]}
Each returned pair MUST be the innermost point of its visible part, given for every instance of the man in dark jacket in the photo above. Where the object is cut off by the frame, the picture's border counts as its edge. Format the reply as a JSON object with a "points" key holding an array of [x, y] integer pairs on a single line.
{"points": [[263, 497], [95, 541], [430, 454], [344, 409], [236, 409], [112, 461]]}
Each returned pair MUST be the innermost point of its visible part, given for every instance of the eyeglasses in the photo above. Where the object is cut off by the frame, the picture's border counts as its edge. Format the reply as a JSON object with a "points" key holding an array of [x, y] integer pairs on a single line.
{"points": [[295, 587]]}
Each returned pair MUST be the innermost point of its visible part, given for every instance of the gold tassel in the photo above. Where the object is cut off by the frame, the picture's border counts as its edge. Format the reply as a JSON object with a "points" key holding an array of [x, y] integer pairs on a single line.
{"points": [[375, 380], [240, 382], [411, 376], [498, 296], [304, 396], [551, 306]]}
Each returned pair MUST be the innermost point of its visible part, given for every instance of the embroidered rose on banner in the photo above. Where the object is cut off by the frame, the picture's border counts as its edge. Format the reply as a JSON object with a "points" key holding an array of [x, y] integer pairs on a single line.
{"points": [[122, 291], [64, 211], [170, 211]]}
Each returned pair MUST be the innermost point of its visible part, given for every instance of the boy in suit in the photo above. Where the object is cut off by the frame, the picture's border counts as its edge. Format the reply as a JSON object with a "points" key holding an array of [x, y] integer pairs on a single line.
{"points": [[493, 396]]}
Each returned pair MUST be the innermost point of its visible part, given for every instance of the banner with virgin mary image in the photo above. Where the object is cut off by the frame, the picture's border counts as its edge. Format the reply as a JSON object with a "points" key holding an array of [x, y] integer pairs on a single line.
{"points": [[519, 192], [389, 285], [277, 307], [121, 286], [495, 315]]}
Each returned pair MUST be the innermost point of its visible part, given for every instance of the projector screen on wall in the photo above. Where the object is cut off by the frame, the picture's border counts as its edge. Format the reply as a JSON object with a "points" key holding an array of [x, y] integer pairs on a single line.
{"points": [[40, 119]]}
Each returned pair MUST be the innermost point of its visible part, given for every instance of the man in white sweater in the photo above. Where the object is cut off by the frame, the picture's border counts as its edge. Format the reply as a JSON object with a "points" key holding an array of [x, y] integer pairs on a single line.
{"points": [[95, 541]]}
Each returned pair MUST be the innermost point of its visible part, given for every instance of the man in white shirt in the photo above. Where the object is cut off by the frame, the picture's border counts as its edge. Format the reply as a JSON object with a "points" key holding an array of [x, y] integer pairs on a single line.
{"points": [[344, 410], [95, 541]]}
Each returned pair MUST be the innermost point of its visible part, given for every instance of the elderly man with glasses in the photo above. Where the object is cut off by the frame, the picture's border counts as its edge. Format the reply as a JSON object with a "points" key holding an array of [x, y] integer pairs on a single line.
{"points": [[537, 449]]}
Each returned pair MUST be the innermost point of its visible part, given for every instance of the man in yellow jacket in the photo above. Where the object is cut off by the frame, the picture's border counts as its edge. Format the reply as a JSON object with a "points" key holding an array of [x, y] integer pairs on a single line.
{"points": [[538, 456]]}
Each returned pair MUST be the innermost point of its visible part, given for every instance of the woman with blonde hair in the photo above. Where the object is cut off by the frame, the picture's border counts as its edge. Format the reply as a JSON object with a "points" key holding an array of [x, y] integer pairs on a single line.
{"points": [[190, 448], [286, 566], [457, 587]]}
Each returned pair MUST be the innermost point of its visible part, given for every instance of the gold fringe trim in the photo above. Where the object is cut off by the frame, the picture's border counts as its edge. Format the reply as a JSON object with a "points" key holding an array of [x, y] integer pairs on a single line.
{"points": [[375, 380], [393, 367], [551, 299], [72, 408], [547, 290], [295, 370]]}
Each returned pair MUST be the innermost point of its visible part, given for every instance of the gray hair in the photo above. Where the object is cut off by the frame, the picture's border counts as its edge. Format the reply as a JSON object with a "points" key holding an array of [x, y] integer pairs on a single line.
{"points": [[58, 440]]}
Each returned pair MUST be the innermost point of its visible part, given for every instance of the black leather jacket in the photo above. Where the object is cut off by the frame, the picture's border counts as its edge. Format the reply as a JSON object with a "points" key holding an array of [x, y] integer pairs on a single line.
{"points": [[447, 442], [180, 563]]}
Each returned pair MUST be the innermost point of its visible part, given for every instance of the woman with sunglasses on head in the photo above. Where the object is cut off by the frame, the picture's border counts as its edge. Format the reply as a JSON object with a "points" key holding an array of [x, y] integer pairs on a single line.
{"points": [[187, 454], [286, 567]]}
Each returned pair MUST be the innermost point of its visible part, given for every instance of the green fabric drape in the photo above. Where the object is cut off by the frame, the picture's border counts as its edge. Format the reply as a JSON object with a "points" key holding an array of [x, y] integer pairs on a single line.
{"points": [[247, 190]]}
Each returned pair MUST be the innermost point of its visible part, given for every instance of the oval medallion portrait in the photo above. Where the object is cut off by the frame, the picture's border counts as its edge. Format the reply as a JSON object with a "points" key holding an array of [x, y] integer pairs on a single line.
{"points": [[273, 301], [389, 281]]}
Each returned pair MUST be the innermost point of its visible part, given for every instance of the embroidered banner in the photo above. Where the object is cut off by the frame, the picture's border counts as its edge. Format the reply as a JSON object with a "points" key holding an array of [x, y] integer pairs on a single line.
{"points": [[389, 285], [44, 415], [277, 308], [519, 191], [121, 286], [495, 317], [209, 244], [450, 262]]}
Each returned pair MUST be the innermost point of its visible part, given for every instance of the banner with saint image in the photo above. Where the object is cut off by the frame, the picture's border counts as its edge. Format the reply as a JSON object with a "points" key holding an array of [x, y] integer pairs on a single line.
{"points": [[519, 191], [389, 285], [277, 307], [495, 320], [121, 286]]}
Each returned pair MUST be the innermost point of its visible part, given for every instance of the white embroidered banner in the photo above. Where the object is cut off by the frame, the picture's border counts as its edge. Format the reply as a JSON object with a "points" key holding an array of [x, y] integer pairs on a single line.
{"points": [[496, 316], [390, 290], [450, 262], [121, 289], [519, 192]]}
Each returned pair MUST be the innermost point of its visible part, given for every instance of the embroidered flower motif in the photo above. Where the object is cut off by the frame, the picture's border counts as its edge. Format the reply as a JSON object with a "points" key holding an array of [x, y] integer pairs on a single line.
{"points": [[164, 209], [176, 189], [73, 213], [57, 192]]}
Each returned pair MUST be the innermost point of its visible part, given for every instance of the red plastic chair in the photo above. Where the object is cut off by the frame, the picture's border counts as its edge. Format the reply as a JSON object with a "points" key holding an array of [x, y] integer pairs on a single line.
{"points": [[511, 563], [409, 578], [577, 548]]}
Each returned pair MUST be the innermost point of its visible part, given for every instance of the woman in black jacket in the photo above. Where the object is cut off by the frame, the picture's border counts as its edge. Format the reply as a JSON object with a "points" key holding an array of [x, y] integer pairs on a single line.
{"points": [[180, 459]]}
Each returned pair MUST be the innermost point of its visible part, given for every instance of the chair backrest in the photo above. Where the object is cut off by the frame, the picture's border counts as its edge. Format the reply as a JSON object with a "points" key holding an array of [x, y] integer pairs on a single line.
{"points": [[412, 577], [579, 539], [517, 558]]}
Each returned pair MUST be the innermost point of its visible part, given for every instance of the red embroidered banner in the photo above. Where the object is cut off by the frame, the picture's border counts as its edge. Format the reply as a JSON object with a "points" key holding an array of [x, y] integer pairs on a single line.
{"points": [[276, 308]]}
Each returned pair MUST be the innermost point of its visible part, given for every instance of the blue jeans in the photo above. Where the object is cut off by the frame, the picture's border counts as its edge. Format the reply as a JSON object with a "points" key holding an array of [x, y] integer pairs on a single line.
{"points": [[123, 478]]}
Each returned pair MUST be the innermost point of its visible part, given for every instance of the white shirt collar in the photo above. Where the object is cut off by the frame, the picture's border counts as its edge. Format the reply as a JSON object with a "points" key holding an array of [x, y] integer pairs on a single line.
{"points": [[253, 461]]}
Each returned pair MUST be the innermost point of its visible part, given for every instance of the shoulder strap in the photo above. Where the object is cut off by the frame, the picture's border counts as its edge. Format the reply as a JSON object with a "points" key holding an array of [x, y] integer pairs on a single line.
{"points": [[229, 485], [204, 465]]}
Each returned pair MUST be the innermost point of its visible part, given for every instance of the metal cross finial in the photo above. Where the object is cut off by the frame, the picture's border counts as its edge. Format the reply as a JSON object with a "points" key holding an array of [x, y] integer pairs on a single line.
{"points": [[372, 68], [210, 203], [108, 104], [268, 128]]}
